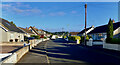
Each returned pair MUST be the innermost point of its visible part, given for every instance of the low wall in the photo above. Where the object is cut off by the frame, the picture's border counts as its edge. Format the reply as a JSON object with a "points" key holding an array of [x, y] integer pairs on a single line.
{"points": [[3, 55], [111, 46], [16, 56], [12, 44]]}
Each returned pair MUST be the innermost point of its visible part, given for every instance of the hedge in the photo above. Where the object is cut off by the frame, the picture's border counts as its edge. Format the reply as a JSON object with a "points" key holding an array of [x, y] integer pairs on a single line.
{"points": [[113, 41], [35, 36], [64, 37], [74, 38]]}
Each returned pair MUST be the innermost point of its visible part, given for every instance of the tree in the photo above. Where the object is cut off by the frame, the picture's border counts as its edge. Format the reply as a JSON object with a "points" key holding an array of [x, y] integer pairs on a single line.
{"points": [[110, 31], [12, 23]]}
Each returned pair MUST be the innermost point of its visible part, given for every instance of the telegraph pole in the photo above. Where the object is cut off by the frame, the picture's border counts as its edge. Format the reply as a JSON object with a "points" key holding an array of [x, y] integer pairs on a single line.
{"points": [[85, 23]]}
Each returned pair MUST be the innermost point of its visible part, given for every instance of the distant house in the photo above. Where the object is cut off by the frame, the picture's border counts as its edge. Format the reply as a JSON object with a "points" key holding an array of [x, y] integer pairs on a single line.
{"points": [[82, 33], [33, 30], [100, 32], [73, 33], [28, 33], [9, 32], [41, 32], [36, 31]]}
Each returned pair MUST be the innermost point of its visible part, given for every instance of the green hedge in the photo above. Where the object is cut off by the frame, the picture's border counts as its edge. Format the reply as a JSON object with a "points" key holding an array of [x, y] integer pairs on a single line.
{"points": [[113, 41], [74, 38], [35, 36], [64, 37], [87, 38]]}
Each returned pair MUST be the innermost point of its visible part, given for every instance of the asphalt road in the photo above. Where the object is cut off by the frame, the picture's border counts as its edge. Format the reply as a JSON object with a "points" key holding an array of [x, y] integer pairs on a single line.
{"points": [[60, 52]]}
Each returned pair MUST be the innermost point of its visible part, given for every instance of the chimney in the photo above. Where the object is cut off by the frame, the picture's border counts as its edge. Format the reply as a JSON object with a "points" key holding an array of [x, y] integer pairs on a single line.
{"points": [[26, 28], [33, 26], [92, 26], [113, 21]]}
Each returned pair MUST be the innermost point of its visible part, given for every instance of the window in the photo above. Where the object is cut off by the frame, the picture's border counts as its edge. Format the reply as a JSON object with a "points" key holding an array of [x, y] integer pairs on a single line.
{"points": [[8, 23], [11, 36]]}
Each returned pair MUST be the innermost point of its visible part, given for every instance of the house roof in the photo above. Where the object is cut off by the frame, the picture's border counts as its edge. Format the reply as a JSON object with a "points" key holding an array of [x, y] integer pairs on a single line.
{"points": [[74, 33], [9, 26], [103, 28], [83, 31], [34, 29], [26, 30]]}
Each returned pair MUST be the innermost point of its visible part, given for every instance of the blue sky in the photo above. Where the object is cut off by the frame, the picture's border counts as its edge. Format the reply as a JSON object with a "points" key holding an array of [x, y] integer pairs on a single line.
{"points": [[53, 16]]}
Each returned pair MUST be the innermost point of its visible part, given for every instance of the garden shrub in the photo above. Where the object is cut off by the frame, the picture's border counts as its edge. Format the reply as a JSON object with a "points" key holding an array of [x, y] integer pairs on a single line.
{"points": [[74, 38], [35, 36], [113, 41], [64, 37], [45, 37], [87, 38], [16, 40], [11, 40]]}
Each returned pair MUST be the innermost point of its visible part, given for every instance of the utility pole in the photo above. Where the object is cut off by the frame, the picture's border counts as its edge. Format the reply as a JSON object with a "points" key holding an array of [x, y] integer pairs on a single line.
{"points": [[62, 31], [85, 23]]}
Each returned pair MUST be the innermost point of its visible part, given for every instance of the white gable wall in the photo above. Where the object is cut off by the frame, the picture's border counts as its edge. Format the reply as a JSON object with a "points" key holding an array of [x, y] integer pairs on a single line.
{"points": [[117, 31], [0, 35], [3, 35]]}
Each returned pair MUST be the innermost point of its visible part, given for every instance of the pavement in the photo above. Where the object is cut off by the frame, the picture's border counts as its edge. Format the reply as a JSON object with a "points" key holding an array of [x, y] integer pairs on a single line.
{"points": [[59, 51], [35, 55]]}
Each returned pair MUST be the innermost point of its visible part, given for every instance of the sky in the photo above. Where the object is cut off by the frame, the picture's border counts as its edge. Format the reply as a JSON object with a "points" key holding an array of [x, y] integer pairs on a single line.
{"points": [[55, 16], [60, 0]]}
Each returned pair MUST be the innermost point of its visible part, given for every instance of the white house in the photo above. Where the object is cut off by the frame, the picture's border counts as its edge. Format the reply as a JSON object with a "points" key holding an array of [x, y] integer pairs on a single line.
{"points": [[88, 30], [9, 32], [100, 32], [73, 33], [28, 33], [33, 30]]}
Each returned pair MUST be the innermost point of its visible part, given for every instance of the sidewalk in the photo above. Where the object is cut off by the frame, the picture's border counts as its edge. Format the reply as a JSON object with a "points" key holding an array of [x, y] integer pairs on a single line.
{"points": [[100, 49], [35, 55]]}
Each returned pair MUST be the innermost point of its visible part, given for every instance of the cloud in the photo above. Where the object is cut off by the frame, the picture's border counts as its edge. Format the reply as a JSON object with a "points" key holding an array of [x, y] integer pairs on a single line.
{"points": [[73, 12], [20, 8], [57, 14], [52, 14], [61, 13], [60, 0]]}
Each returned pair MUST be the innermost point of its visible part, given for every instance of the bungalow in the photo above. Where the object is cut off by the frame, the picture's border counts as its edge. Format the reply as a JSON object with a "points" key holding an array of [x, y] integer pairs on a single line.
{"points": [[33, 30], [9, 32], [100, 32], [37, 31], [82, 33], [28, 33], [73, 33]]}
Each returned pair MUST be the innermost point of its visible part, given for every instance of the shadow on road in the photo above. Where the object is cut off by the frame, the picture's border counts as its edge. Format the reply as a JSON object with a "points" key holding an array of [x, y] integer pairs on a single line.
{"points": [[77, 54]]}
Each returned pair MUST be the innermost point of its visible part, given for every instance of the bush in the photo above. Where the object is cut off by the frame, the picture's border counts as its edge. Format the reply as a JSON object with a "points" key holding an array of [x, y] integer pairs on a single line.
{"points": [[25, 38], [45, 37], [87, 38], [11, 40], [64, 37], [74, 38], [56, 36], [35, 36], [113, 41], [16, 40]]}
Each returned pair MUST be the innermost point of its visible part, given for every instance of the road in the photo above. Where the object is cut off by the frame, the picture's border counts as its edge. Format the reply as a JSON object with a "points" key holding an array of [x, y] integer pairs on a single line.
{"points": [[59, 51]]}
